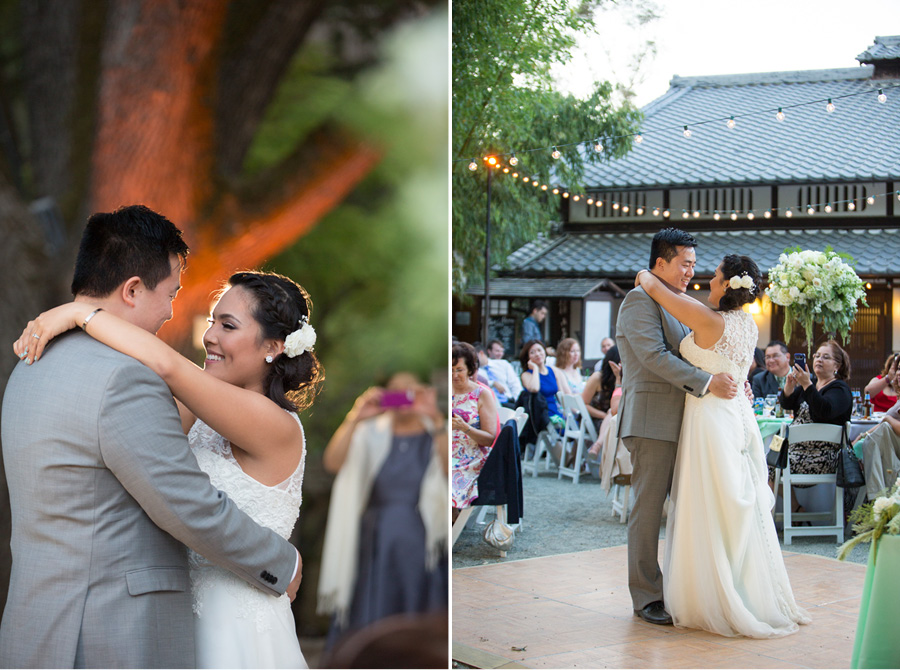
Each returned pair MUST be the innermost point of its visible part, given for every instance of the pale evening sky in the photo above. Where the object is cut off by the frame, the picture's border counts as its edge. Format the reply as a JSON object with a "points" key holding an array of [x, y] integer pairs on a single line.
{"points": [[707, 37]]}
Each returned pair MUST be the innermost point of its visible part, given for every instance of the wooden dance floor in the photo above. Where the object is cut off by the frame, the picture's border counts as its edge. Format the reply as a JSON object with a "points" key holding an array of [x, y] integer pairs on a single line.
{"points": [[574, 611]]}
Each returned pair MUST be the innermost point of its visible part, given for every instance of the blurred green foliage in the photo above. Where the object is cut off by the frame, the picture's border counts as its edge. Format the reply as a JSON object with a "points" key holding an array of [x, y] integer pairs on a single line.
{"points": [[376, 267]]}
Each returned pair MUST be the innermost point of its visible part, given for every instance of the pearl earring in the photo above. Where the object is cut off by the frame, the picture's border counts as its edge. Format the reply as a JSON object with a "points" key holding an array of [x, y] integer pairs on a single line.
{"points": [[269, 358]]}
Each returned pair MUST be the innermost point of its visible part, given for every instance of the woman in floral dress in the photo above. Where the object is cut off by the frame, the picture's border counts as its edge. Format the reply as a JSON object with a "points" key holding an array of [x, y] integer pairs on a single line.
{"points": [[475, 425]]}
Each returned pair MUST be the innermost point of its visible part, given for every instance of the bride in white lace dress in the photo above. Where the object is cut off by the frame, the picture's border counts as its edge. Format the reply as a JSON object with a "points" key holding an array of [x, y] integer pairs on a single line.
{"points": [[239, 412], [724, 571]]}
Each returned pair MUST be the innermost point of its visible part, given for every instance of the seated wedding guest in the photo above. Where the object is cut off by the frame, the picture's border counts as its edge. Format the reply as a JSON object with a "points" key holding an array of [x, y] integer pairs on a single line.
{"points": [[881, 394], [475, 424], [386, 537], [568, 360], [758, 364], [827, 400], [600, 386], [605, 344], [503, 370], [778, 366], [540, 377], [502, 392]]}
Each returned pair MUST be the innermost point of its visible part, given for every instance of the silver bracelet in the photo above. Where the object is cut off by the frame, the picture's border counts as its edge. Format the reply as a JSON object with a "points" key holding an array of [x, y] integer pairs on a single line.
{"points": [[89, 317]]}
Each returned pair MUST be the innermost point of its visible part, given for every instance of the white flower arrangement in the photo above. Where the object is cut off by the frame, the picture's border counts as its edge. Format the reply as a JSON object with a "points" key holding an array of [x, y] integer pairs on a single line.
{"points": [[300, 340], [874, 519], [816, 287]]}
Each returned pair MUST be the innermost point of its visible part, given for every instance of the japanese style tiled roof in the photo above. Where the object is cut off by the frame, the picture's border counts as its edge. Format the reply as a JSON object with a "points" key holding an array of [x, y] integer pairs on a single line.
{"points": [[558, 287], [859, 141], [621, 255], [885, 48]]}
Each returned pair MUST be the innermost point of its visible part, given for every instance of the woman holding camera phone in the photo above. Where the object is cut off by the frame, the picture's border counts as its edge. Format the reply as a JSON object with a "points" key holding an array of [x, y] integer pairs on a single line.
{"points": [[385, 543], [827, 400]]}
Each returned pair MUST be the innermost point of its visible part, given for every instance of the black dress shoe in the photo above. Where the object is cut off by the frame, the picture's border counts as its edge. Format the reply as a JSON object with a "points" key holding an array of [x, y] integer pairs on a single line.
{"points": [[655, 613]]}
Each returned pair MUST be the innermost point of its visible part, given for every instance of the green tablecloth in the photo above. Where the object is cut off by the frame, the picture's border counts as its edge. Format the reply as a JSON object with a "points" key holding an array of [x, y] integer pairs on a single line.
{"points": [[770, 425], [877, 644]]}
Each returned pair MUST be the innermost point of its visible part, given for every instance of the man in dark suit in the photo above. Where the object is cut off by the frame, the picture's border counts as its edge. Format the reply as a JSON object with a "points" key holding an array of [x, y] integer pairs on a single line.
{"points": [[778, 366]]}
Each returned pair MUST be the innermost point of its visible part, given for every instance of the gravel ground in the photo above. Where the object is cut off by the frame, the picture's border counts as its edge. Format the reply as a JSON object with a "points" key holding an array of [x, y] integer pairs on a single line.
{"points": [[561, 518]]}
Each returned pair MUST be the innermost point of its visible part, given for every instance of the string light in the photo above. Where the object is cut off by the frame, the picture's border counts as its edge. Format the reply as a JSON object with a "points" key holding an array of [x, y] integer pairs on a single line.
{"points": [[543, 187], [716, 215], [751, 216], [684, 214], [733, 215], [898, 195], [515, 175], [556, 191], [696, 287], [696, 213], [638, 138], [615, 205], [810, 210], [768, 214], [882, 98], [655, 211], [473, 165], [789, 213], [535, 183], [625, 209], [779, 115], [730, 123], [829, 107], [828, 208], [506, 170], [526, 179], [687, 132], [565, 194], [871, 200], [640, 210], [513, 160], [598, 145], [555, 153], [666, 214], [590, 201], [851, 205], [576, 198]]}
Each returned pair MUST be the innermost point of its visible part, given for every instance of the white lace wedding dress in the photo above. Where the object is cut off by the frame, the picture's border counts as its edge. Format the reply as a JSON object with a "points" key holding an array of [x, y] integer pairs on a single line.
{"points": [[237, 625], [723, 567]]}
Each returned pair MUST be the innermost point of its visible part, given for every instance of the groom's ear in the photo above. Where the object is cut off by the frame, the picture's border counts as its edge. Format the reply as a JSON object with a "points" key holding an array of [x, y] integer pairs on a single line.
{"points": [[129, 289]]}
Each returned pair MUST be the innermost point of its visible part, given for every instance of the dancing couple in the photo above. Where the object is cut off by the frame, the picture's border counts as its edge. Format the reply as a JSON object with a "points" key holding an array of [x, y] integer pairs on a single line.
{"points": [[110, 479], [692, 435]]}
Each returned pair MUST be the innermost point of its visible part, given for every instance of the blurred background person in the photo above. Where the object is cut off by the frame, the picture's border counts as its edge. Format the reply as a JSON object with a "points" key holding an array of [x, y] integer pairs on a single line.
{"points": [[475, 423], [880, 389], [531, 324], [386, 539], [600, 388], [605, 345], [487, 376], [568, 360], [758, 364], [504, 371], [778, 367]]}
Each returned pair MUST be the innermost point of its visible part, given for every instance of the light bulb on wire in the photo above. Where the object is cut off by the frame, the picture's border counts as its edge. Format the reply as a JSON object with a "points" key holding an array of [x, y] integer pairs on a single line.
{"points": [[555, 153], [696, 213], [640, 210], [513, 160], [789, 212], [684, 214], [716, 215], [810, 210], [473, 165], [655, 211], [768, 214], [882, 98], [779, 115], [565, 194], [733, 215], [666, 214], [687, 132], [751, 216], [730, 123], [829, 107], [828, 208], [851, 206], [871, 200], [598, 145], [638, 138]]}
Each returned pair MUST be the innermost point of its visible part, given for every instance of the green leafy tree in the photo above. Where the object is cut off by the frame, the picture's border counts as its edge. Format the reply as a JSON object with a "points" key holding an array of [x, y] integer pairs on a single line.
{"points": [[504, 101]]}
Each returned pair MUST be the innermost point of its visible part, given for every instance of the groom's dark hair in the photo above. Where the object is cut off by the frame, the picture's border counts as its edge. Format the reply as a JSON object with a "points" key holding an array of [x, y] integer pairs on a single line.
{"points": [[132, 241], [666, 242]]}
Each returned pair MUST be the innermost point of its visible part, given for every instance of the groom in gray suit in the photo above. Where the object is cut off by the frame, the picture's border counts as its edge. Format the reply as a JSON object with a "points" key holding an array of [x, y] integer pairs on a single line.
{"points": [[654, 383], [104, 490]]}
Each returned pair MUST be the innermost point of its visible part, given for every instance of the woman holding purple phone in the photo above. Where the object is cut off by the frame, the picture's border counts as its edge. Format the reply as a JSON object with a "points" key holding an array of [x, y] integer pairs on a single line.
{"points": [[385, 543], [827, 399]]}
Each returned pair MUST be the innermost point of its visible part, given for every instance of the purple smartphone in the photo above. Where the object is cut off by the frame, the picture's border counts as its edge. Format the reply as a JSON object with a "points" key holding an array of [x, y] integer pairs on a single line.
{"points": [[393, 399]]}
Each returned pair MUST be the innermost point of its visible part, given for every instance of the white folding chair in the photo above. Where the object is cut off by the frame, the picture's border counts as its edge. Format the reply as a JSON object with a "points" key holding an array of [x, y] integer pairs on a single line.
{"points": [[612, 465], [521, 418], [807, 432], [579, 430]]}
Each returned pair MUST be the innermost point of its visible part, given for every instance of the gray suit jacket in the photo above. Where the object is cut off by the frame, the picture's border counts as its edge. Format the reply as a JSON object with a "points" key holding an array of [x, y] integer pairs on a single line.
{"points": [[104, 494], [655, 378]]}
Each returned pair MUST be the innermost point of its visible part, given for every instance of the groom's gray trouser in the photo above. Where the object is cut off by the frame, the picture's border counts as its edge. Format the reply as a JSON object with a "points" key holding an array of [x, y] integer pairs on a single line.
{"points": [[653, 462]]}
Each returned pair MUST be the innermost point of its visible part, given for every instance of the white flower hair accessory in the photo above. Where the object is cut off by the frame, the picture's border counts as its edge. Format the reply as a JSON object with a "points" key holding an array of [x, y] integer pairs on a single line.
{"points": [[744, 281], [301, 339]]}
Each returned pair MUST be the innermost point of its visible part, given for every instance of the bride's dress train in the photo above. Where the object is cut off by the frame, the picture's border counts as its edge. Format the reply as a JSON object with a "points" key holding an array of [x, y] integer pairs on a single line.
{"points": [[236, 625], [724, 571]]}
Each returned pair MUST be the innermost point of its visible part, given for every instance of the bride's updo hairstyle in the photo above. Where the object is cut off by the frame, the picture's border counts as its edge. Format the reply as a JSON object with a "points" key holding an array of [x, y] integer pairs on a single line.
{"points": [[279, 305], [739, 266]]}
